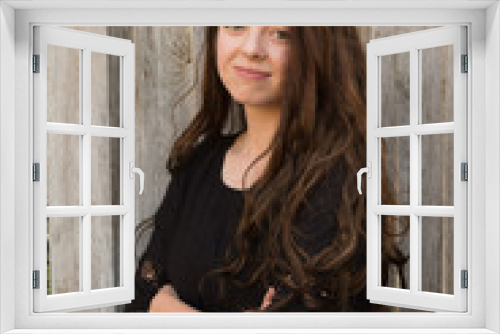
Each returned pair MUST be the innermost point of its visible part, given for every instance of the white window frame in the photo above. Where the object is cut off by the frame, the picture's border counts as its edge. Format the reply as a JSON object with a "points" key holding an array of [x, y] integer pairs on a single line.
{"points": [[483, 21]]}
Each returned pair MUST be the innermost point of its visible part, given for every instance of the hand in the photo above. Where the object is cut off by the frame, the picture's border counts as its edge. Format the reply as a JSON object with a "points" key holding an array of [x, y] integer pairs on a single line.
{"points": [[169, 289], [167, 300], [267, 300]]}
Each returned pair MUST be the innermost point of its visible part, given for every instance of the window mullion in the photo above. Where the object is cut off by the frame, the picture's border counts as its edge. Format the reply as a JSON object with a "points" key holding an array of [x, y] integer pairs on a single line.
{"points": [[86, 165], [414, 172]]}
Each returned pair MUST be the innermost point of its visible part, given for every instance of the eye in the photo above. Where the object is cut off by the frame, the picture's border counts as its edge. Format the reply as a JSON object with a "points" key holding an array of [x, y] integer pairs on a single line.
{"points": [[234, 27], [282, 34]]}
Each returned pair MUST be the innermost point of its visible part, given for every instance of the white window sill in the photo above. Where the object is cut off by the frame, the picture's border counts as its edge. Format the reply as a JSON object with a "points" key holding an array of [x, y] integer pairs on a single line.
{"points": [[251, 331]]}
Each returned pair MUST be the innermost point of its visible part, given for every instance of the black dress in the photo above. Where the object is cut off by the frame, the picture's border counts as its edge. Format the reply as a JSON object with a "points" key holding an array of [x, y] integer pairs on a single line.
{"points": [[196, 221]]}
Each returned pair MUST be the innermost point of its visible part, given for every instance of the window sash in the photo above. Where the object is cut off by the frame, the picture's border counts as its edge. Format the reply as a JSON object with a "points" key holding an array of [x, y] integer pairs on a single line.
{"points": [[413, 43], [85, 297]]}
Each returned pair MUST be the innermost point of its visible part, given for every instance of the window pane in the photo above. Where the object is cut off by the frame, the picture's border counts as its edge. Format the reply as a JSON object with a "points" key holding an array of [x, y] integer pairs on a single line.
{"points": [[105, 252], [437, 254], [437, 169], [63, 255], [63, 169], [395, 171], [437, 84], [396, 242], [105, 171], [395, 89], [105, 89], [63, 84]]}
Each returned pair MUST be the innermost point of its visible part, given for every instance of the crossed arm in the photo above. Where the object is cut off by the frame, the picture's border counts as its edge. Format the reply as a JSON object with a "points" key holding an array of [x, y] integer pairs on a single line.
{"points": [[167, 300]]}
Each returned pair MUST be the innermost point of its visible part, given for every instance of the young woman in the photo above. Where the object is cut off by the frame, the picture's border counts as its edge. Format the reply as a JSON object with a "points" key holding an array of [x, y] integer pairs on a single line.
{"points": [[267, 217]]}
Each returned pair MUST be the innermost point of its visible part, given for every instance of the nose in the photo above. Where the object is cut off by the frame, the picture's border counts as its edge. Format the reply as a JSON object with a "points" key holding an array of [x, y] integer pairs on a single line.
{"points": [[254, 45]]}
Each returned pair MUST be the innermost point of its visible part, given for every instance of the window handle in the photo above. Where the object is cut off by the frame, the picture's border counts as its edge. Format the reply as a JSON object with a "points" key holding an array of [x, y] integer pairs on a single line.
{"points": [[368, 171], [137, 170]]}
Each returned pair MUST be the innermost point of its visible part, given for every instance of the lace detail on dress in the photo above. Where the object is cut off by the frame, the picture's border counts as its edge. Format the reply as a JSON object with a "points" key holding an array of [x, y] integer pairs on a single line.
{"points": [[149, 273]]}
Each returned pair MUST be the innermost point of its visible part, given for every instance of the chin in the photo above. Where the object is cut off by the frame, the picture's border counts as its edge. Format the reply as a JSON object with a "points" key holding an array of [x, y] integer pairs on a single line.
{"points": [[257, 103]]}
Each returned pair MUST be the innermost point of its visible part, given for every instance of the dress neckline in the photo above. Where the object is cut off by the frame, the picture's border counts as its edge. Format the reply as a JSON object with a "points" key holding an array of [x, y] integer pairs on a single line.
{"points": [[225, 148]]}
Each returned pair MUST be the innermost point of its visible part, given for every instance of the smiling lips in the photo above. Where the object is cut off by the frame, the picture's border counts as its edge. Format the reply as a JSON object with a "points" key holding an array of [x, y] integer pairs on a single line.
{"points": [[251, 74]]}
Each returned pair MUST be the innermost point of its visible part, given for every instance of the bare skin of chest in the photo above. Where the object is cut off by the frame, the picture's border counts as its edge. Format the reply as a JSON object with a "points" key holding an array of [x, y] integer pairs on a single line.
{"points": [[234, 166]]}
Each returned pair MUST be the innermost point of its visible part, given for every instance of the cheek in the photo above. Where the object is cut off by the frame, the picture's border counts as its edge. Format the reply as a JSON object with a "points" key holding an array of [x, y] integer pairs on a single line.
{"points": [[218, 58], [223, 56], [280, 60]]}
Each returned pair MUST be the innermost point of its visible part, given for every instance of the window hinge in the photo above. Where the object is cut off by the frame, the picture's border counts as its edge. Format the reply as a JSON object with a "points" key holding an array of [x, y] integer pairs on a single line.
{"points": [[465, 279], [465, 64], [36, 279], [464, 172], [36, 171], [36, 63]]}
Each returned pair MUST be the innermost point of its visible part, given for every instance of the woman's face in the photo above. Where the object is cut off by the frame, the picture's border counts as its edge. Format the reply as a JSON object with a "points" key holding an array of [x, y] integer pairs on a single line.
{"points": [[260, 49]]}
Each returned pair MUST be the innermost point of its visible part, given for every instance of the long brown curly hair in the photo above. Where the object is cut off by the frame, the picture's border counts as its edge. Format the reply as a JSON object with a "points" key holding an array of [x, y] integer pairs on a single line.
{"points": [[322, 122]]}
